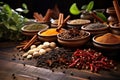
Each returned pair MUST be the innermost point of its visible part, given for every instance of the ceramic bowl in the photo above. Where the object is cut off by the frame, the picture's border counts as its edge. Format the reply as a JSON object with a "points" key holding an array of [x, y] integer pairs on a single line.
{"points": [[73, 43], [115, 28], [54, 23], [29, 29], [49, 38], [99, 28], [105, 46], [77, 23]]}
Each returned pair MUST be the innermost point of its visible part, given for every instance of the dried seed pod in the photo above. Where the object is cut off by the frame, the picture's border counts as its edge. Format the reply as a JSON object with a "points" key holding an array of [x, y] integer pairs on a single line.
{"points": [[29, 56], [36, 54], [25, 55], [48, 49], [52, 44], [46, 44], [42, 51], [30, 52], [32, 46]]}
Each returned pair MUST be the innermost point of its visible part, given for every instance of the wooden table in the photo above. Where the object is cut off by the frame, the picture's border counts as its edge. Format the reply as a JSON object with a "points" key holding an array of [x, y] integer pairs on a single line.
{"points": [[22, 69]]}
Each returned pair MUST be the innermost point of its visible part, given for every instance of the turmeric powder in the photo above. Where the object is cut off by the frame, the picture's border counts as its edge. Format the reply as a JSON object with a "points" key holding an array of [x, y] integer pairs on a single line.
{"points": [[50, 32], [108, 38]]}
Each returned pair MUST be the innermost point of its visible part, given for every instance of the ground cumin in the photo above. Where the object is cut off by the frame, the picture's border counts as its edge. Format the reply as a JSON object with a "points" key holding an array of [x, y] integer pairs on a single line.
{"points": [[49, 32], [108, 38]]}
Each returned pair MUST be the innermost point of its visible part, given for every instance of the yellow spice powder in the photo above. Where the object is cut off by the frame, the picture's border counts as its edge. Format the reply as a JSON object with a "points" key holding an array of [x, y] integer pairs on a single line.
{"points": [[49, 32]]}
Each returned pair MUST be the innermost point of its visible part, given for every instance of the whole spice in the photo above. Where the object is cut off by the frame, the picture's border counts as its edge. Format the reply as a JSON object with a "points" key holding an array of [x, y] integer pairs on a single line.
{"points": [[34, 38], [108, 38], [73, 34], [62, 21], [90, 59], [58, 57]]}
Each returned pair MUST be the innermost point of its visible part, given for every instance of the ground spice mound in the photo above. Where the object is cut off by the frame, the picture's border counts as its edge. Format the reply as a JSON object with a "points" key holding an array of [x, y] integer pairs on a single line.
{"points": [[108, 38], [50, 32]]}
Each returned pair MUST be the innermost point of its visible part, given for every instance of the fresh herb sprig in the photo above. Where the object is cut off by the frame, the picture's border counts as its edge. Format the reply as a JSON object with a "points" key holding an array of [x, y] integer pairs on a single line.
{"points": [[11, 22]]}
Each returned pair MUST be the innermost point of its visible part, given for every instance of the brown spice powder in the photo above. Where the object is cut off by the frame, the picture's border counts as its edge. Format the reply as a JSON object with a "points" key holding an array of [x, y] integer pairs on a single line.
{"points": [[108, 38]]}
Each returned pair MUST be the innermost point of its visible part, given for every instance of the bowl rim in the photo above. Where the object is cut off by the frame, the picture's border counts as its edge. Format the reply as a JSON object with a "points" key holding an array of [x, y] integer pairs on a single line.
{"points": [[114, 27], [76, 38], [24, 30], [39, 33], [105, 44], [87, 22], [104, 28]]}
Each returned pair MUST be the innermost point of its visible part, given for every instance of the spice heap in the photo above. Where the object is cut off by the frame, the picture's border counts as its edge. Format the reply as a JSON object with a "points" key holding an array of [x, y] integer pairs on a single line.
{"points": [[50, 32], [36, 51], [78, 22], [34, 26], [95, 26], [109, 38], [87, 59], [73, 34], [55, 58], [90, 59]]}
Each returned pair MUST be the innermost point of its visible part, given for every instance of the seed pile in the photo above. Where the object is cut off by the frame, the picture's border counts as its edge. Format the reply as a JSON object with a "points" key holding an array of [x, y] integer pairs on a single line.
{"points": [[55, 58], [36, 51], [73, 34]]}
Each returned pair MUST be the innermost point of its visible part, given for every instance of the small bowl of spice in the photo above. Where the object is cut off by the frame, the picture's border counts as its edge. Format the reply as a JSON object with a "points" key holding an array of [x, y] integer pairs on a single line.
{"points": [[77, 23], [115, 28], [96, 28], [49, 34], [73, 38], [33, 28], [107, 41]]}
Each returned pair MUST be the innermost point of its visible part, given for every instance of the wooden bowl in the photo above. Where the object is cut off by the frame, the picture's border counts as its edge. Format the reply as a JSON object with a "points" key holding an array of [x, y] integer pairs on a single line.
{"points": [[105, 46], [78, 42], [49, 38], [29, 29], [77, 23], [115, 28], [101, 28]]}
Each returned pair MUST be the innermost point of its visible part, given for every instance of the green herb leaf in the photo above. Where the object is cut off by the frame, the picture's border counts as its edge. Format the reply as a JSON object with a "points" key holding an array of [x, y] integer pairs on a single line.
{"points": [[74, 9], [102, 16], [7, 9], [90, 6], [84, 7], [24, 6]]}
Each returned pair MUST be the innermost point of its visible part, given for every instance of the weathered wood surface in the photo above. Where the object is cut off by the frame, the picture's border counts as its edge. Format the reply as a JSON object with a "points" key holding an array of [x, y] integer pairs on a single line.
{"points": [[11, 69]]}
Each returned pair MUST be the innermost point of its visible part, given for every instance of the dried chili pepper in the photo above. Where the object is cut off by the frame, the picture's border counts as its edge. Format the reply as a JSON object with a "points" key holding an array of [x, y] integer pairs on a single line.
{"points": [[74, 63]]}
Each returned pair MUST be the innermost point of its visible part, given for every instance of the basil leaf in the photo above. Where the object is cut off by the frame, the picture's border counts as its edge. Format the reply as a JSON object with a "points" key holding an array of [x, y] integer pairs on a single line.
{"points": [[102, 16], [74, 9], [90, 6]]}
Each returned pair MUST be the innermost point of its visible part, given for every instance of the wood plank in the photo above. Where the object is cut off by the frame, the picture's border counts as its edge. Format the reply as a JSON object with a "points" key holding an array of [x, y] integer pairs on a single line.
{"points": [[10, 68], [30, 72]]}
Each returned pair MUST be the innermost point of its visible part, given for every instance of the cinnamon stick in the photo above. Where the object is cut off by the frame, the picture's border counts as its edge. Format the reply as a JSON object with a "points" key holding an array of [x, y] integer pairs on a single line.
{"points": [[67, 18], [59, 19], [34, 38], [117, 9], [37, 16], [47, 15], [62, 24], [96, 17]]}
